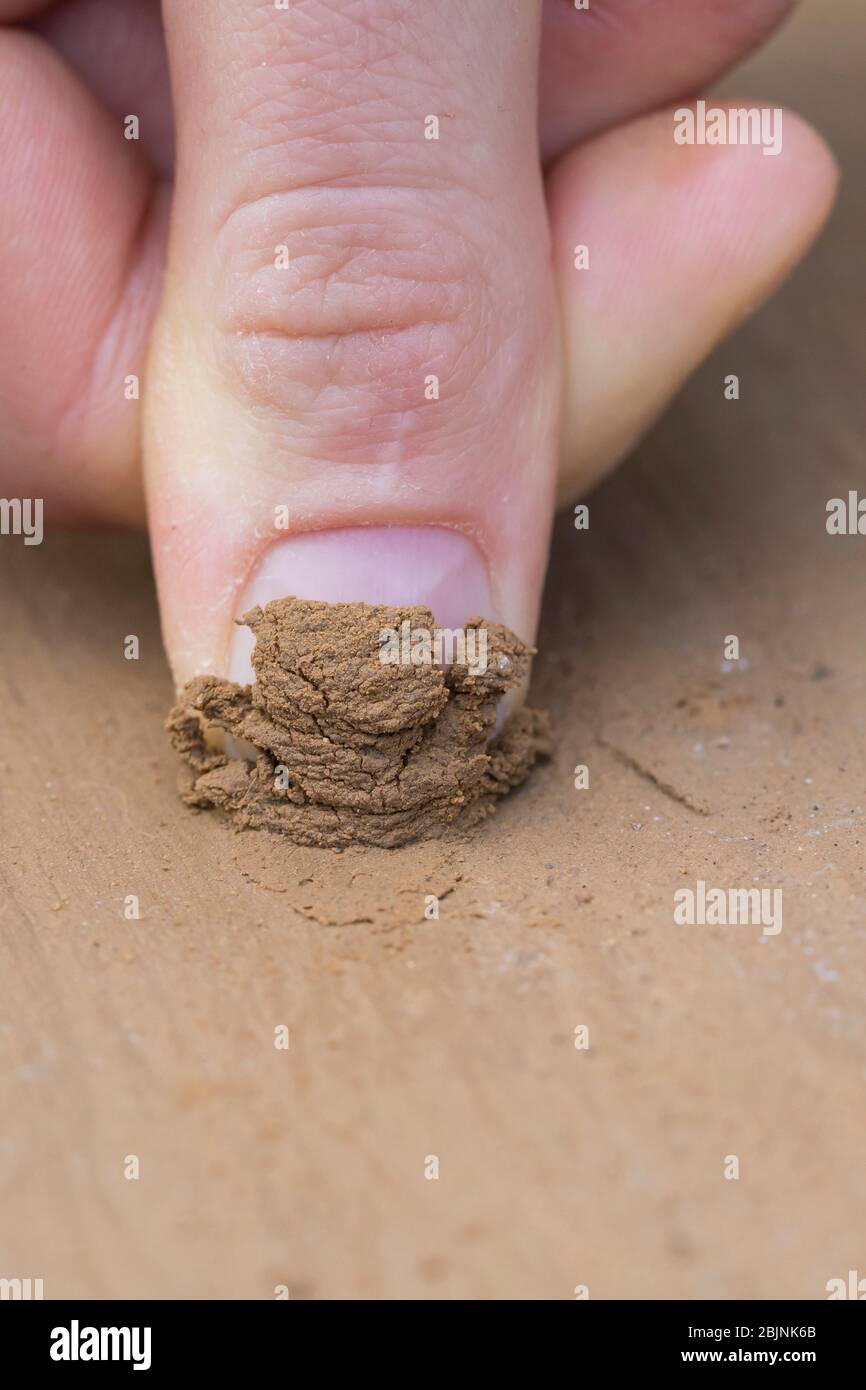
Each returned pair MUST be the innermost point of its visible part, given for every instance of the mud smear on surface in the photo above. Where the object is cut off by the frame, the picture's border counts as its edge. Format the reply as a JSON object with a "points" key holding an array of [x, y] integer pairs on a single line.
{"points": [[360, 886]]}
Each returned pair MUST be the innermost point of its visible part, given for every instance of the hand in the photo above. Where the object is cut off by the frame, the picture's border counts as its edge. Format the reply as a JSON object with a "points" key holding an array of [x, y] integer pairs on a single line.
{"points": [[374, 352]]}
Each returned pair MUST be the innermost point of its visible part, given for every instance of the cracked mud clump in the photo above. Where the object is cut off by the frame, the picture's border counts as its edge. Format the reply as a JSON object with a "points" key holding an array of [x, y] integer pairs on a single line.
{"points": [[343, 748]]}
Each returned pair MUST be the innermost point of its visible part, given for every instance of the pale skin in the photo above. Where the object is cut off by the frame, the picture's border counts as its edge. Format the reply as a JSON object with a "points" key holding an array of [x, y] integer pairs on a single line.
{"points": [[326, 260]]}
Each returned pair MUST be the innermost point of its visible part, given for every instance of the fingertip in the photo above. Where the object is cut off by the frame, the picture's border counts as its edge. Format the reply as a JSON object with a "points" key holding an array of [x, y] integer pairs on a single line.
{"points": [[663, 211], [683, 240], [760, 209], [808, 157]]}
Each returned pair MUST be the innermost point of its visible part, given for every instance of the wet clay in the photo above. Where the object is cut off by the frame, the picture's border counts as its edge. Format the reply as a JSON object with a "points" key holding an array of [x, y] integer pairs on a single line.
{"points": [[348, 749]]}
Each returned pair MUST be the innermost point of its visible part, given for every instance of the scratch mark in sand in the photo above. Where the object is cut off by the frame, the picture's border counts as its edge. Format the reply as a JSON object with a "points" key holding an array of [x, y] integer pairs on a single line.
{"points": [[667, 788]]}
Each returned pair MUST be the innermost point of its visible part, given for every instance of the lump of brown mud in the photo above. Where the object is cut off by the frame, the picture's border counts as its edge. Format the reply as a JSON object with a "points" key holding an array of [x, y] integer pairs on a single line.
{"points": [[357, 737]]}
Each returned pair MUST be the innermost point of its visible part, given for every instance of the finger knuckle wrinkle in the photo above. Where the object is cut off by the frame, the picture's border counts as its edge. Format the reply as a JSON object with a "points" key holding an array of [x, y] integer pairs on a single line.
{"points": [[356, 296]]}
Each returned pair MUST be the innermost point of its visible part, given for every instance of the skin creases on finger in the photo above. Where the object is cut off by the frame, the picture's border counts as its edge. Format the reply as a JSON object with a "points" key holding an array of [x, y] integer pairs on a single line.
{"points": [[357, 335]]}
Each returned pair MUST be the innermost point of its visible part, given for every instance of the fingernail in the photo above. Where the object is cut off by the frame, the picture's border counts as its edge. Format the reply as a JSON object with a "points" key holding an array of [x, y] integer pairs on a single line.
{"points": [[393, 565]]}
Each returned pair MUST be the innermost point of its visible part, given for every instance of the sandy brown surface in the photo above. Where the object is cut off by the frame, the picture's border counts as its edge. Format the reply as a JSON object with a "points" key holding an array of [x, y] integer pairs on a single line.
{"points": [[455, 1037]]}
